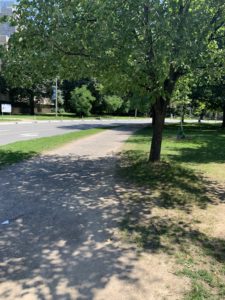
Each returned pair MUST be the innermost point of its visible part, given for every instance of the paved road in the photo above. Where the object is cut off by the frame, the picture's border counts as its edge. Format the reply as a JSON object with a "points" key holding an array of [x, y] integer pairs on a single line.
{"points": [[61, 244], [12, 132]]}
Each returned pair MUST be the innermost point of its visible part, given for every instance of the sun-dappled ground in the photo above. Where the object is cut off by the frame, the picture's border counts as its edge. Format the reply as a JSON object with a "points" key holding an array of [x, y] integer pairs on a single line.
{"points": [[177, 207], [64, 208], [85, 223]]}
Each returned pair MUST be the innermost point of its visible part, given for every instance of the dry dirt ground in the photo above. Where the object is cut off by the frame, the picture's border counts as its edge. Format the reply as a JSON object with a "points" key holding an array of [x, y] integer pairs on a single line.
{"points": [[64, 208]]}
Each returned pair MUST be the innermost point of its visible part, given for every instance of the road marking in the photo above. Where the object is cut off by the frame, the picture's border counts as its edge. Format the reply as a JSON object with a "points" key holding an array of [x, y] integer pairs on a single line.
{"points": [[29, 134]]}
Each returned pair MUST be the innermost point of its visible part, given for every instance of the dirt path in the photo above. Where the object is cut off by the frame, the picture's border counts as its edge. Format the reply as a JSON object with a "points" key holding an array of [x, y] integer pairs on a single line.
{"points": [[63, 209]]}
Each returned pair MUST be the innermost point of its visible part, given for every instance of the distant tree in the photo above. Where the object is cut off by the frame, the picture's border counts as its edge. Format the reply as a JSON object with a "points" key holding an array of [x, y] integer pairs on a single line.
{"points": [[210, 97], [3, 85], [139, 104], [181, 97], [98, 106], [26, 71], [81, 101], [113, 103], [60, 98]]}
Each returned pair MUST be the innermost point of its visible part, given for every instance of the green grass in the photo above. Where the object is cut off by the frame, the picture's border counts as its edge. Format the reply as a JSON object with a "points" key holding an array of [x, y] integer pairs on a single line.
{"points": [[50, 116], [167, 199], [18, 151], [202, 150], [65, 116]]}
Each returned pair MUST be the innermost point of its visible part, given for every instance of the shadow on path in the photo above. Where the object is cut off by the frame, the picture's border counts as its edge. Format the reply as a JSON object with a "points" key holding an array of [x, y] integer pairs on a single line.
{"points": [[62, 213]]}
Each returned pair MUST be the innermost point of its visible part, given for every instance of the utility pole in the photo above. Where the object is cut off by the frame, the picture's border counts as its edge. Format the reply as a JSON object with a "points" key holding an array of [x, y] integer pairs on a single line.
{"points": [[56, 97]]}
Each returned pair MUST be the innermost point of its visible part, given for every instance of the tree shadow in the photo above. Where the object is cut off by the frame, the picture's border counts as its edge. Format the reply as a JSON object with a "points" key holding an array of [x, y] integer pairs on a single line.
{"points": [[209, 147], [107, 125], [59, 243], [165, 234], [162, 186], [8, 157], [174, 186]]}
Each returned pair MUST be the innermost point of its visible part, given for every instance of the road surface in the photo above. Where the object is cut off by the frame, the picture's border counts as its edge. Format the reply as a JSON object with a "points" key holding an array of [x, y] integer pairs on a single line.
{"points": [[11, 132]]}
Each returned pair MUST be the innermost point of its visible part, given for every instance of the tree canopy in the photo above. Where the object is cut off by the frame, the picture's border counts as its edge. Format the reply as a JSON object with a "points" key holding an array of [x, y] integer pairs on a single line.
{"points": [[141, 47]]}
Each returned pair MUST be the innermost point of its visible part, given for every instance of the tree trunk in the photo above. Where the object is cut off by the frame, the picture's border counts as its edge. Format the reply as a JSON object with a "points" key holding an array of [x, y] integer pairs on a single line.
{"points": [[159, 113], [223, 124], [201, 117], [136, 111], [182, 117], [152, 113], [31, 100]]}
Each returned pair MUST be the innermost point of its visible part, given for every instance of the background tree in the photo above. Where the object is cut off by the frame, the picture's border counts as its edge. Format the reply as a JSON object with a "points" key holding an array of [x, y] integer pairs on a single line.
{"points": [[81, 101], [60, 99], [113, 103], [143, 47], [94, 87], [210, 96], [181, 100], [139, 104]]}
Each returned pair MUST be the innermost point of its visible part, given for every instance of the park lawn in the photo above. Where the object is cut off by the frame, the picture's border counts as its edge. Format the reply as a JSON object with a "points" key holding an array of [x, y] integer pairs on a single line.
{"points": [[64, 116], [37, 117], [177, 207], [18, 151]]}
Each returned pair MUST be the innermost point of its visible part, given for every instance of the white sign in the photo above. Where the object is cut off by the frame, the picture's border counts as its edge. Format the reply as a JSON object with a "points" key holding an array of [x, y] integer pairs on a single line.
{"points": [[6, 108]]}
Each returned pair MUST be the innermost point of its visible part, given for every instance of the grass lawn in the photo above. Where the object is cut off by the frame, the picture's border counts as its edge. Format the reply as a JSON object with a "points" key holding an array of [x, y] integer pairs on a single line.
{"points": [[18, 151], [177, 207], [51, 116]]}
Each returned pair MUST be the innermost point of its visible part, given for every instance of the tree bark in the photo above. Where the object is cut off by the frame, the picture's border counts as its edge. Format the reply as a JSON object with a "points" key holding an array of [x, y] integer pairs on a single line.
{"points": [[136, 111], [159, 113], [223, 123], [31, 100], [153, 116]]}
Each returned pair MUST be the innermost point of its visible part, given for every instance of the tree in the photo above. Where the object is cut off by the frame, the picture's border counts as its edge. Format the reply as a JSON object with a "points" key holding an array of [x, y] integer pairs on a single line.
{"points": [[211, 96], [181, 99], [139, 104], [23, 74], [113, 103], [81, 101], [60, 98], [143, 47]]}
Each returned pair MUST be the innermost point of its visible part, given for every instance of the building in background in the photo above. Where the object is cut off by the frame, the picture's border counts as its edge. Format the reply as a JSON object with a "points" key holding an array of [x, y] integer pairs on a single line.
{"points": [[42, 104], [6, 9]]}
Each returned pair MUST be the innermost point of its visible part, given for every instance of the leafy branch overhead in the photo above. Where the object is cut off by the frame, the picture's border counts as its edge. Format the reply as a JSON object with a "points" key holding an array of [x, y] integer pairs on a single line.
{"points": [[137, 47]]}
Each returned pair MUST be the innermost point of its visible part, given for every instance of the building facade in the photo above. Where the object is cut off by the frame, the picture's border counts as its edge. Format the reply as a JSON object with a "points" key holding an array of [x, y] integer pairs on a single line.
{"points": [[6, 9]]}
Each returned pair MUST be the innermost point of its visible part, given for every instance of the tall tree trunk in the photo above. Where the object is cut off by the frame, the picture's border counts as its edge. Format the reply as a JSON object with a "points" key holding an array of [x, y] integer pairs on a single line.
{"points": [[159, 113], [136, 111], [153, 116], [182, 116], [31, 100], [223, 124], [201, 116]]}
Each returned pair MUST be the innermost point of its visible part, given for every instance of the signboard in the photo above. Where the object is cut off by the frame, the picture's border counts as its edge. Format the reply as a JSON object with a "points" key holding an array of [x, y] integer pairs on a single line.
{"points": [[6, 108]]}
